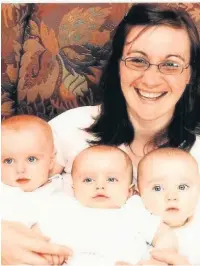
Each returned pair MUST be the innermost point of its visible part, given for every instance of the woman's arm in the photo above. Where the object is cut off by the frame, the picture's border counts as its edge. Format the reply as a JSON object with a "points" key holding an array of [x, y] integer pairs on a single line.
{"points": [[21, 245], [170, 257]]}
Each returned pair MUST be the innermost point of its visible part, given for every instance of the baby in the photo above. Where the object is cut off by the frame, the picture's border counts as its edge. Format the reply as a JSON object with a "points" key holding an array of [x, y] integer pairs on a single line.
{"points": [[104, 223], [27, 157], [169, 185]]}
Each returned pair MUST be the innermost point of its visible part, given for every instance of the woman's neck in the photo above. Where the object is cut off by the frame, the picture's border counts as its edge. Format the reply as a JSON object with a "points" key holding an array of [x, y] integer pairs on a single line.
{"points": [[145, 130]]}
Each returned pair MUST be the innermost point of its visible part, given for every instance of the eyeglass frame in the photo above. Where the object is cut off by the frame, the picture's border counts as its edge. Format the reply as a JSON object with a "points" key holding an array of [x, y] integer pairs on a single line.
{"points": [[149, 64]]}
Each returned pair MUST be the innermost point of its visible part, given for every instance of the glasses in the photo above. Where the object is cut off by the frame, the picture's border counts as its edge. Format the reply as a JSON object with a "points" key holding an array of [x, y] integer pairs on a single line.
{"points": [[167, 68]]}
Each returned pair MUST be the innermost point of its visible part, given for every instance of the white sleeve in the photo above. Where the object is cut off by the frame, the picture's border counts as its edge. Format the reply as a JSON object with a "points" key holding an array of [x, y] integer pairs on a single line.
{"points": [[70, 138], [57, 145], [145, 222], [195, 151]]}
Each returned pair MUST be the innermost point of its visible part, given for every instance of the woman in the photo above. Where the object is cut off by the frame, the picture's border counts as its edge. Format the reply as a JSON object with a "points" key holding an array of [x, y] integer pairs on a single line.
{"points": [[150, 98]]}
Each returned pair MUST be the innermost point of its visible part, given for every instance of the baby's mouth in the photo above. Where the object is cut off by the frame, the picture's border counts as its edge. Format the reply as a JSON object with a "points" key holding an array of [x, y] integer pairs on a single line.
{"points": [[172, 209], [100, 196], [152, 96], [22, 180]]}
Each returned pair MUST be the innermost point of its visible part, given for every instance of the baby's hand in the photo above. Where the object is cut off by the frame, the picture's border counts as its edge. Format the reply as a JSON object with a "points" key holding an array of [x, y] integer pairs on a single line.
{"points": [[54, 259], [122, 263]]}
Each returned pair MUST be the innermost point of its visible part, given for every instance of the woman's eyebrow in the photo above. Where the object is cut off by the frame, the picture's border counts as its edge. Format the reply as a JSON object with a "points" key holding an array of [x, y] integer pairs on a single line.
{"points": [[176, 55], [136, 51], [169, 55]]}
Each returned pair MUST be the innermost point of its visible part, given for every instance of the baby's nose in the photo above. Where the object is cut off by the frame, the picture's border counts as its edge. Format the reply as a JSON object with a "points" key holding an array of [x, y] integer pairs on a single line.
{"points": [[20, 167], [172, 196], [99, 187]]}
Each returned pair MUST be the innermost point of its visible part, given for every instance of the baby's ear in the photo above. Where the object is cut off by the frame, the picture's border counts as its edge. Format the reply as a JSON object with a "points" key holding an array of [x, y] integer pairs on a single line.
{"points": [[131, 190], [52, 160], [135, 190]]}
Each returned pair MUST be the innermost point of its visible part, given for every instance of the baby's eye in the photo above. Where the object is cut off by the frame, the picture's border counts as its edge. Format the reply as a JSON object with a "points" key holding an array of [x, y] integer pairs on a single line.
{"points": [[157, 188], [112, 180], [183, 187], [8, 161], [88, 180], [32, 159]]}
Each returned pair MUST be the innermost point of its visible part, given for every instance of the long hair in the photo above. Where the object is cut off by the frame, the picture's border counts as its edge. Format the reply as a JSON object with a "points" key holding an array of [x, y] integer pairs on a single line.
{"points": [[112, 126]]}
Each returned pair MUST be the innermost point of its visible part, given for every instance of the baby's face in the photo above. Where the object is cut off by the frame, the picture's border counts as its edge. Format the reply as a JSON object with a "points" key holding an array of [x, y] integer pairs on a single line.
{"points": [[102, 179], [26, 158], [170, 188]]}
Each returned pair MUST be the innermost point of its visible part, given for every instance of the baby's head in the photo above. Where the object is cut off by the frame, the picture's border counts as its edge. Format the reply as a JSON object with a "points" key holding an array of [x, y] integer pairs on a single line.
{"points": [[102, 177], [27, 151], [169, 184]]}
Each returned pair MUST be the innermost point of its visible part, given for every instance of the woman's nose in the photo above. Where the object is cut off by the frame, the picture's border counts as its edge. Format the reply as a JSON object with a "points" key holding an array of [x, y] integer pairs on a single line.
{"points": [[151, 78]]}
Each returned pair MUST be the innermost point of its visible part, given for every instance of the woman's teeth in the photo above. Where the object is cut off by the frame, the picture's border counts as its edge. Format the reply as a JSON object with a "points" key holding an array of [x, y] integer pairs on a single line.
{"points": [[150, 95]]}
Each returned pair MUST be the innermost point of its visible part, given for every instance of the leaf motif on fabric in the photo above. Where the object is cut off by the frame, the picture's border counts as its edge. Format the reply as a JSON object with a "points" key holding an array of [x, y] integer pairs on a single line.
{"points": [[49, 39], [34, 29], [17, 49], [7, 14], [65, 93], [117, 13], [75, 84], [96, 75], [72, 54], [7, 108], [62, 105], [12, 73], [195, 13], [78, 24], [38, 73], [7, 104], [99, 38]]}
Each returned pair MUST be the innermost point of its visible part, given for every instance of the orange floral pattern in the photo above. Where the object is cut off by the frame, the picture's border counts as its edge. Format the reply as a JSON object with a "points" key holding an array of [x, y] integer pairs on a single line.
{"points": [[53, 54]]}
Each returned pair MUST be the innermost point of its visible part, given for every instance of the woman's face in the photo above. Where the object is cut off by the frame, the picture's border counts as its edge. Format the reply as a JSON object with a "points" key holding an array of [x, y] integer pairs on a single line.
{"points": [[151, 95]]}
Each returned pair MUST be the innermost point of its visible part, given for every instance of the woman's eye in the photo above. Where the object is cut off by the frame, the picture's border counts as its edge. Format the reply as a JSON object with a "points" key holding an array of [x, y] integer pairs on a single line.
{"points": [[157, 188], [88, 180], [183, 187], [171, 65], [112, 179], [32, 159], [8, 161], [138, 60]]}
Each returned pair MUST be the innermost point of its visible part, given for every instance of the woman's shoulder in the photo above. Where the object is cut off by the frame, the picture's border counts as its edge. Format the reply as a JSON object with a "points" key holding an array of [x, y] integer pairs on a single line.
{"points": [[195, 150], [196, 145], [78, 117]]}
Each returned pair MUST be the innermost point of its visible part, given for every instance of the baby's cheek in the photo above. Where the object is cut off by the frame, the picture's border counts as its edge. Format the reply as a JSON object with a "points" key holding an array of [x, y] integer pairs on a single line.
{"points": [[155, 207]]}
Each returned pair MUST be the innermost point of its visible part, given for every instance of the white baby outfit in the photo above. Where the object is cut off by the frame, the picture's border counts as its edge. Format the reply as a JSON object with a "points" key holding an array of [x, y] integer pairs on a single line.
{"points": [[188, 239], [21, 206], [99, 237]]}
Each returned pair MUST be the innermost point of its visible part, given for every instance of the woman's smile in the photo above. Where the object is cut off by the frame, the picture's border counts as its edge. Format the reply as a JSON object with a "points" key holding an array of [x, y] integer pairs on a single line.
{"points": [[147, 95]]}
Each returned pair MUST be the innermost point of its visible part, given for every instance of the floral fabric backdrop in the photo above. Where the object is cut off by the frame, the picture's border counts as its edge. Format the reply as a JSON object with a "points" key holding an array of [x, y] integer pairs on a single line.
{"points": [[53, 54]]}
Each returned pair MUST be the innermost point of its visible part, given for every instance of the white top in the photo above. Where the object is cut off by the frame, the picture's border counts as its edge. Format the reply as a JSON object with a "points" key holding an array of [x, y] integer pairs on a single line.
{"points": [[70, 139], [99, 237], [188, 238], [23, 206]]}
